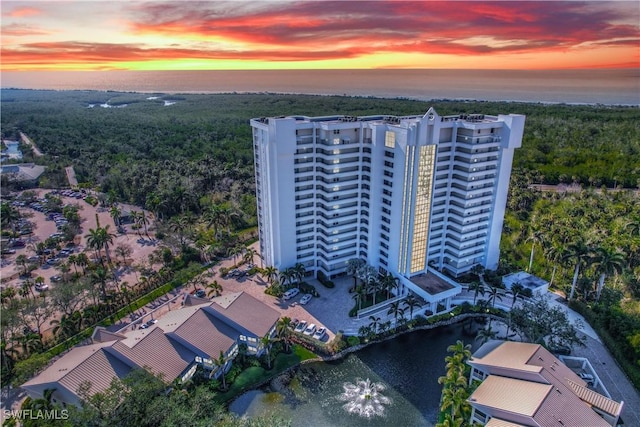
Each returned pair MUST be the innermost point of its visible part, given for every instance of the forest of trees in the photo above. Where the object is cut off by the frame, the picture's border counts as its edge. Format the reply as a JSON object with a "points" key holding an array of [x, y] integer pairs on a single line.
{"points": [[188, 161]]}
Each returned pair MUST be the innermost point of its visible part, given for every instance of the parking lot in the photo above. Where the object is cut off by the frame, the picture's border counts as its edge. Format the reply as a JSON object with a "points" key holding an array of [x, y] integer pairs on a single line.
{"points": [[38, 225]]}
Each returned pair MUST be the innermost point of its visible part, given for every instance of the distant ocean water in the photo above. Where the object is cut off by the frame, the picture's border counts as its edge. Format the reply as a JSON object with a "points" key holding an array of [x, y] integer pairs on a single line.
{"points": [[601, 86]]}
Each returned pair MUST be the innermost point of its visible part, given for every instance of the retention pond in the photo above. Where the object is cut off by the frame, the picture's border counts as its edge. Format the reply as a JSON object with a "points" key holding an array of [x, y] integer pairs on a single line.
{"points": [[389, 383]]}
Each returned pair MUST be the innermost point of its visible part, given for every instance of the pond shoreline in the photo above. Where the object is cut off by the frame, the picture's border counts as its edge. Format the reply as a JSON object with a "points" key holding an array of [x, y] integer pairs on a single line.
{"points": [[275, 380]]}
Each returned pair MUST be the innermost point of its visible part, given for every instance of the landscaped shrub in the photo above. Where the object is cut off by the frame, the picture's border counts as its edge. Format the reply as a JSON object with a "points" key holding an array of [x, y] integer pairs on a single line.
{"points": [[353, 341], [325, 280], [308, 289], [274, 291]]}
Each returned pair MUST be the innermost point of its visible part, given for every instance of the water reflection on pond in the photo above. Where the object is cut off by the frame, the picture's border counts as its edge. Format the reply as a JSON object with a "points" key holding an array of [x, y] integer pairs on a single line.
{"points": [[404, 370]]}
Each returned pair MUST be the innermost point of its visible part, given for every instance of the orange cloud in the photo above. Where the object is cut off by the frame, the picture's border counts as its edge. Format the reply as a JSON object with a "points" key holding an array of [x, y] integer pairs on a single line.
{"points": [[22, 12], [18, 30], [485, 33]]}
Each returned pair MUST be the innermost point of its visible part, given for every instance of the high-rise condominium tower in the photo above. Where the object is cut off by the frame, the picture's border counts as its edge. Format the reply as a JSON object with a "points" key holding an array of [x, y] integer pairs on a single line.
{"points": [[401, 193]]}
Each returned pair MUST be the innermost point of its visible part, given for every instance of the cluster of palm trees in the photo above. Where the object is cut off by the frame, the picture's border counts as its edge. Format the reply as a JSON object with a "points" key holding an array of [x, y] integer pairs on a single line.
{"points": [[588, 237], [285, 278], [398, 309], [139, 218], [369, 284], [584, 257], [100, 238], [455, 390]]}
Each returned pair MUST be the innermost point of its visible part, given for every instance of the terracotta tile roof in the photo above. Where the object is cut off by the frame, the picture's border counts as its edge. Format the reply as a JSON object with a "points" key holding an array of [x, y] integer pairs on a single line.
{"points": [[99, 370], [517, 371], [246, 311], [553, 370], [158, 353], [562, 408], [497, 422], [168, 347], [511, 395], [101, 334], [596, 399], [207, 333], [506, 354], [66, 363]]}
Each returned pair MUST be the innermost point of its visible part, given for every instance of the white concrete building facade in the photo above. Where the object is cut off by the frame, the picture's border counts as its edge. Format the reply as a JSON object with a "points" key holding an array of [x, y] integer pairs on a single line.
{"points": [[401, 193]]}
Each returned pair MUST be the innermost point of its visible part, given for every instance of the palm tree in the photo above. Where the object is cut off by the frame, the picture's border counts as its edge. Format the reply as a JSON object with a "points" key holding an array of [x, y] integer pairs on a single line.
{"points": [[412, 302], [478, 289], [249, 254], [214, 289], [99, 238], [354, 266], [579, 253], [494, 293], [516, 291], [100, 276], [555, 254], [375, 323], [299, 271], [266, 344], [27, 288], [396, 310], [536, 237], [389, 283], [143, 221], [217, 217], [358, 294], [486, 334], [83, 261], [607, 261], [271, 273], [369, 276], [286, 276], [197, 282], [220, 362], [180, 225], [115, 213], [236, 252], [283, 331], [21, 260]]}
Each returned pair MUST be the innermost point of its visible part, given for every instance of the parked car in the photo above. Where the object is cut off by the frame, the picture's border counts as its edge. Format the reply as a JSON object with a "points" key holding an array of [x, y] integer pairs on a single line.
{"points": [[301, 326], [310, 329], [18, 244], [200, 293], [148, 324], [41, 287], [305, 298], [291, 293], [319, 334], [56, 278], [294, 323]]}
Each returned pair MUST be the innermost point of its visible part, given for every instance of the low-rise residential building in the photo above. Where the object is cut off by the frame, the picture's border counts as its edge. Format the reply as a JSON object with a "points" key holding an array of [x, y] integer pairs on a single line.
{"points": [[173, 347], [523, 384]]}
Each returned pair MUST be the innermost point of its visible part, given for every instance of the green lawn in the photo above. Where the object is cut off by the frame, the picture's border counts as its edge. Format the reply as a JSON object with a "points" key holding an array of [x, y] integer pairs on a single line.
{"points": [[252, 376]]}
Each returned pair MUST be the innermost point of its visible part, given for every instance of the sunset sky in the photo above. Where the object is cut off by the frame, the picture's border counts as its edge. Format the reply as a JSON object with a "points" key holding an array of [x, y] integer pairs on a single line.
{"points": [[190, 35]]}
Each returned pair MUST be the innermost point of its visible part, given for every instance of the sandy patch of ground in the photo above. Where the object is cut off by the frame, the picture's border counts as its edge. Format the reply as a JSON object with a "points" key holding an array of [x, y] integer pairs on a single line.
{"points": [[141, 246]]}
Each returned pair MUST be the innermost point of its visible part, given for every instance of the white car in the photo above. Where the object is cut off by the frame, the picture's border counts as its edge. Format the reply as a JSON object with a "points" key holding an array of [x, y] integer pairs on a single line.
{"points": [[310, 329], [301, 326], [305, 298], [319, 334], [291, 293], [41, 287]]}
